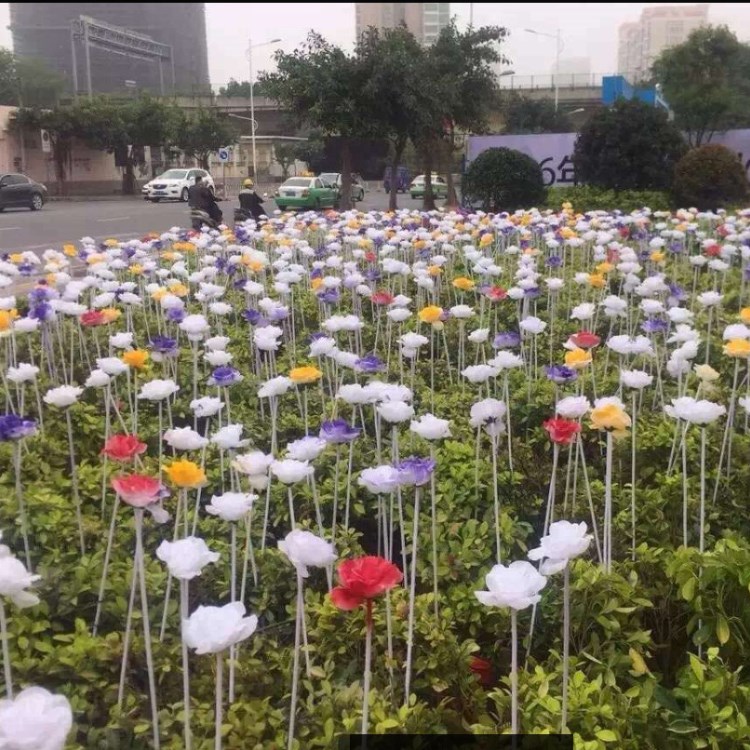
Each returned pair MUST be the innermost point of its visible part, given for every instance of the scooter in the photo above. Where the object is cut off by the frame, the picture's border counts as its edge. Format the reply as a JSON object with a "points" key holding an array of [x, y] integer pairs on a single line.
{"points": [[199, 218]]}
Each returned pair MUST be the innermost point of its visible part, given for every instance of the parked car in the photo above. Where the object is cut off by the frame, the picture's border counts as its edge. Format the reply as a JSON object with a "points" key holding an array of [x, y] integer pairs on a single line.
{"points": [[18, 190], [402, 180], [174, 184], [439, 187], [306, 192], [334, 180]]}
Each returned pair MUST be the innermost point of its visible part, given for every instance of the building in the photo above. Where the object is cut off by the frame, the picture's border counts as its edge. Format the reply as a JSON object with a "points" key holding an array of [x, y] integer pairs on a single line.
{"points": [[642, 41], [43, 31], [424, 20]]}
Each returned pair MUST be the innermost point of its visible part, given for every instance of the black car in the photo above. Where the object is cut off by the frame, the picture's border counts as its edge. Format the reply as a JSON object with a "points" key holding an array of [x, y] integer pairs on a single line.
{"points": [[19, 191]]}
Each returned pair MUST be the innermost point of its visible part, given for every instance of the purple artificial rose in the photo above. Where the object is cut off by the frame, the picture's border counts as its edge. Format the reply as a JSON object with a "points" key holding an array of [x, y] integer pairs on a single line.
{"points": [[415, 470], [338, 431]]}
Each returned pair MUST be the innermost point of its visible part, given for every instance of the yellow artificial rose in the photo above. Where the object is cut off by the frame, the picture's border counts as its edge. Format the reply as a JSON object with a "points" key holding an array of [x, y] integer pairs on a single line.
{"points": [[737, 348], [305, 375], [597, 280], [186, 474], [111, 314], [604, 267], [158, 294], [95, 258], [69, 250], [745, 315], [16, 258], [430, 314], [657, 256], [315, 283], [178, 289], [434, 270], [611, 417], [136, 269], [577, 359], [6, 319], [111, 242], [136, 358], [706, 373], [464, 284], [487, 239]]}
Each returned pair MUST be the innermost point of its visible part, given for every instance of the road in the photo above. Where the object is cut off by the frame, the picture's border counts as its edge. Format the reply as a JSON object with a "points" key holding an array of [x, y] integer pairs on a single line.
{"points": [[60, 222]]}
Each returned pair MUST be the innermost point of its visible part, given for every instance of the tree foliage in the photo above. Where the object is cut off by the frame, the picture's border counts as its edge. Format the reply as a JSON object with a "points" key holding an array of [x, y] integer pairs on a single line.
{"points": [[202, 133], [525, 115], [502, 179], [706, 82], [239, 89], [629, 146], [28, 82], [710, 177]]}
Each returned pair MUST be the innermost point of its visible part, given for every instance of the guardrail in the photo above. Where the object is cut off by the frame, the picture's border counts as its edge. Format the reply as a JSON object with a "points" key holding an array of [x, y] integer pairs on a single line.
{"points": [[547, 81]]}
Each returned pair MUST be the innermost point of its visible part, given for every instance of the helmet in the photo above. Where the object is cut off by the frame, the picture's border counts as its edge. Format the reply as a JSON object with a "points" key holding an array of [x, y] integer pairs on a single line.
{"points": [[248, 183]]}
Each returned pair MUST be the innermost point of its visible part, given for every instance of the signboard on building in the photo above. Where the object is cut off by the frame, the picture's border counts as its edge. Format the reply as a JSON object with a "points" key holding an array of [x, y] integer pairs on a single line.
{"points": [[554, 151], [46, 143]]}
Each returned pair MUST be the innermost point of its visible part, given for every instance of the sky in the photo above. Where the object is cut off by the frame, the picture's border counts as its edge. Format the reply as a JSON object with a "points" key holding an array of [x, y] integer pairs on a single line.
{"points": [[587, 30]]}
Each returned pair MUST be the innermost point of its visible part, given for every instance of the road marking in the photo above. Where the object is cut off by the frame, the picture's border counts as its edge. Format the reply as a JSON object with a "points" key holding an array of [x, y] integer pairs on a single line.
{"points": [[115, 218], [7, 229]]}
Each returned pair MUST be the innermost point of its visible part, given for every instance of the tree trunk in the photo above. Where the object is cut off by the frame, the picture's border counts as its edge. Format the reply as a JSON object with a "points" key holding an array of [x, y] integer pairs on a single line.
{"points": [[60, 156], [128, 178], [398, 150], [428, 203], [346, 175], [451, 199]]}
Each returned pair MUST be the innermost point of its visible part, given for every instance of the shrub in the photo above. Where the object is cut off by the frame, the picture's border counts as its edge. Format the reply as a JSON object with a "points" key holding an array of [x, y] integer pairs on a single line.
{"points": [[629, 146], [589, 198], [501, 179], [709, 177]]}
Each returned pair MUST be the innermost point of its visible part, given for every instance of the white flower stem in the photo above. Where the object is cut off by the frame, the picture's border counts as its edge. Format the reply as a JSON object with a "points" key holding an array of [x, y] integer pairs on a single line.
{"points": [[348, 485], [74, 480], [290, 497], [633, 444], [219, 698], [514, 672], [295, 663], [550, 514], [21, 504], [566, 646], [185, 664], [684, 488], [433, 532], [233, 598], [105, 567], [608, 506], [412, 596], [368, 662], [126, 639], [146, 625], [703, 490], [495, 498], [334, 519], [6, 652]]}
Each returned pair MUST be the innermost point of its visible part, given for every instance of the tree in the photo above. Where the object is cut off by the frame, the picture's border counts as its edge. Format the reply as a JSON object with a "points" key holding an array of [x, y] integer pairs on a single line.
{"points": [[462, 86], [28, 82], [706, 82], [323, 87], [629, 146], [203, 133], [502, 179], [239, 89], [285, 154], [395, 65], [525, 115], [710, 177]]}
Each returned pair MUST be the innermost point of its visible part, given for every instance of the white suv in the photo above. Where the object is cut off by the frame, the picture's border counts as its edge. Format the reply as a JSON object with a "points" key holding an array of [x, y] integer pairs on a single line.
{"points": [[174, 184]]}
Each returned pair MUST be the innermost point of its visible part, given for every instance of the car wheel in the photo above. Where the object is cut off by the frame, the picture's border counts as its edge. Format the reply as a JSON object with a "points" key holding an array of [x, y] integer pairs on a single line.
{"points": [[184, 195], [36, 202]]}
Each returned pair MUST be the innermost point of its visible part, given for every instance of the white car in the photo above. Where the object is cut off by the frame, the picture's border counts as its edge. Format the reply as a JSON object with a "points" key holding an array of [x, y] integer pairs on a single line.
{"points": [[174, 184]]}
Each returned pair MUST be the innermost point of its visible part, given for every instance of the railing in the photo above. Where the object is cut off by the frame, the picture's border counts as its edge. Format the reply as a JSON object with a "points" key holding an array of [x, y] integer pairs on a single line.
{"points": [[547, 81]]}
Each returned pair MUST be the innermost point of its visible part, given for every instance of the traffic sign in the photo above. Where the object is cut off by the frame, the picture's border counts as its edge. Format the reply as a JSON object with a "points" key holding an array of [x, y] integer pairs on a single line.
{"points": [[224, 155], [46, 144]]}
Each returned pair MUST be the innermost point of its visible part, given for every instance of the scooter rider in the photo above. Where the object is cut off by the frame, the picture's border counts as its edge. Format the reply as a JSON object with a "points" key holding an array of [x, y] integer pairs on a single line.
{"points": [[202, 203], [250, 202]]}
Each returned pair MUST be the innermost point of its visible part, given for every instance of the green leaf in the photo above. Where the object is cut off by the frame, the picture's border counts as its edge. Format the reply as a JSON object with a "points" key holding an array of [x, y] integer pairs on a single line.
{"points": [[606, 735], [722, 629]]}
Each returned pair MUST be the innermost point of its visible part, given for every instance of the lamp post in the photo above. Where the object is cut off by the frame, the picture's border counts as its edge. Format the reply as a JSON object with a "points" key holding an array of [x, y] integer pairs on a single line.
{"points": [[559, 49], [250, 48]]}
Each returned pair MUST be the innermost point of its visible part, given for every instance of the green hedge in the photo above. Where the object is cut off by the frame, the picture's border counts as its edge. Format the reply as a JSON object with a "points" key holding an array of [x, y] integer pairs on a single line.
{"points": [[587, 198]]}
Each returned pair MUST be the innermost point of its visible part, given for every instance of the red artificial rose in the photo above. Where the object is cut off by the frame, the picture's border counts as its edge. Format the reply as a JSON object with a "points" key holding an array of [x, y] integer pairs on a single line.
{"points": [[137, 490], [123, 448], [562, 431], [483, 670], [624, 232], [370, 256], [713, 251], [364, 578], [496, 294], [585, 340], [613, 255], [92, 318], [381, 298]]}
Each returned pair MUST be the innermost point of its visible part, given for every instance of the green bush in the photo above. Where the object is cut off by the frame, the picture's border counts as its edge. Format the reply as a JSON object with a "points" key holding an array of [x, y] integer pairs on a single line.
{"points": [[629, 146], [709, 177], [588, 198], [502, 179]]}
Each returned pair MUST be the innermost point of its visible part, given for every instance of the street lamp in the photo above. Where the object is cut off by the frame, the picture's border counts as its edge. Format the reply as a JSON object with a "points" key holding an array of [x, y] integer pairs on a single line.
{"points": [[253, 124], [556, 37]]}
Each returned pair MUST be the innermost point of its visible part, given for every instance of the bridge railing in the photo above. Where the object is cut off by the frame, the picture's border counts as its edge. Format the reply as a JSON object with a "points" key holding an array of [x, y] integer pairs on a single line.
{"points": [[548, 80]]}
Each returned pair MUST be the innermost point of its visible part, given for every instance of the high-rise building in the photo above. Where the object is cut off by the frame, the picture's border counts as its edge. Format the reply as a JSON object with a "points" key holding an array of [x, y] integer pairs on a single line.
{"points": [[642, 41], [424, 20], [43, 31]]}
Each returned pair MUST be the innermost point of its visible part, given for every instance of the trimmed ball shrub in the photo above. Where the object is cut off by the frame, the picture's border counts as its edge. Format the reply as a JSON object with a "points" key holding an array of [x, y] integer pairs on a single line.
{"points": [[710, 177], [502, 179]]}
